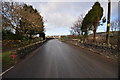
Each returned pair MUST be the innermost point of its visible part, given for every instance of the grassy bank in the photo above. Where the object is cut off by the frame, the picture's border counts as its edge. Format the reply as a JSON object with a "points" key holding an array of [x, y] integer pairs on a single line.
{"points": [[103, 50], [8, 60]]}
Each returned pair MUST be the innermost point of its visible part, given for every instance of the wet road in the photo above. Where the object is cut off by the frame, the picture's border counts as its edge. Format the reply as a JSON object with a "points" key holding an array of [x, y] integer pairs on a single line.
{"points": [[56, 59]]}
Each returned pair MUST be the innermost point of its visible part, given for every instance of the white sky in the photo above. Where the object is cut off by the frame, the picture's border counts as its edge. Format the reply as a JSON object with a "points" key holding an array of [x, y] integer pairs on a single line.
{"points": [[60, 15]]}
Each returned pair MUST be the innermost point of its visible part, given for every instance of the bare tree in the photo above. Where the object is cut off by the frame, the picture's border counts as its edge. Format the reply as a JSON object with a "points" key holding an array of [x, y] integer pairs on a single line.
{"points": [[76, 28], [114, 25]]}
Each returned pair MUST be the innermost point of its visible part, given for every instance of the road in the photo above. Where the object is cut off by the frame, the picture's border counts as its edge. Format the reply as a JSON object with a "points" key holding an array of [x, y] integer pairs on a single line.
{"points": [[56, 59]]}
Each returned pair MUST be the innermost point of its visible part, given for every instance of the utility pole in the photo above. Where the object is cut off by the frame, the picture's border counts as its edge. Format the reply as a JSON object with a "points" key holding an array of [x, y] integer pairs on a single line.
{"points": [[108, 22], [119, 41]]}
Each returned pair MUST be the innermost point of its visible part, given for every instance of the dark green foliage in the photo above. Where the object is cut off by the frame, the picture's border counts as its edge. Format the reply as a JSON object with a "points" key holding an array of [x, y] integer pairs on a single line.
{"points": [[23, 20], [29, 27], [8, 35], [35, 11], [104, 20], [26, 7], [42, 35], [92, 18]]}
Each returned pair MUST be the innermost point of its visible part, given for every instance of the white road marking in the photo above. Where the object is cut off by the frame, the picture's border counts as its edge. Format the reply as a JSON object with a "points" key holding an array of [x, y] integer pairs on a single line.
{"points": [[6, 71]]}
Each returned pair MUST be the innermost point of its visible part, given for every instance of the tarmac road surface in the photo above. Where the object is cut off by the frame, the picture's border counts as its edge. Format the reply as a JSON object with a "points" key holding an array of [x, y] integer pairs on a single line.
{"points": [[56, 59]]}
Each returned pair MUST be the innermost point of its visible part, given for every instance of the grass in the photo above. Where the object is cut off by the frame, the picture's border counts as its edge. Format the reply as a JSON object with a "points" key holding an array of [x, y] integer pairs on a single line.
{"points": [[7, 60]]}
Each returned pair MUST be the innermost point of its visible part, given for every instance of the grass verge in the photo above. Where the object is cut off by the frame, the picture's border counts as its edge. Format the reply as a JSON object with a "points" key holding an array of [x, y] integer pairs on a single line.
{"points": [[7, 60]]}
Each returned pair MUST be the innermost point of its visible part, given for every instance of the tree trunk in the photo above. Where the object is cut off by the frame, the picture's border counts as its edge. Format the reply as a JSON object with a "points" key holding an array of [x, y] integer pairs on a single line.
{"points": [[30, 36], [94, 35], [78, 33], [95, 28], [82, 36]]}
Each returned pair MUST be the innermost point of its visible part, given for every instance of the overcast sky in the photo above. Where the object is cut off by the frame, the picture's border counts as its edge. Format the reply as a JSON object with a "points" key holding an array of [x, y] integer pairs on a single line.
{"points": [[60, 16]]}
